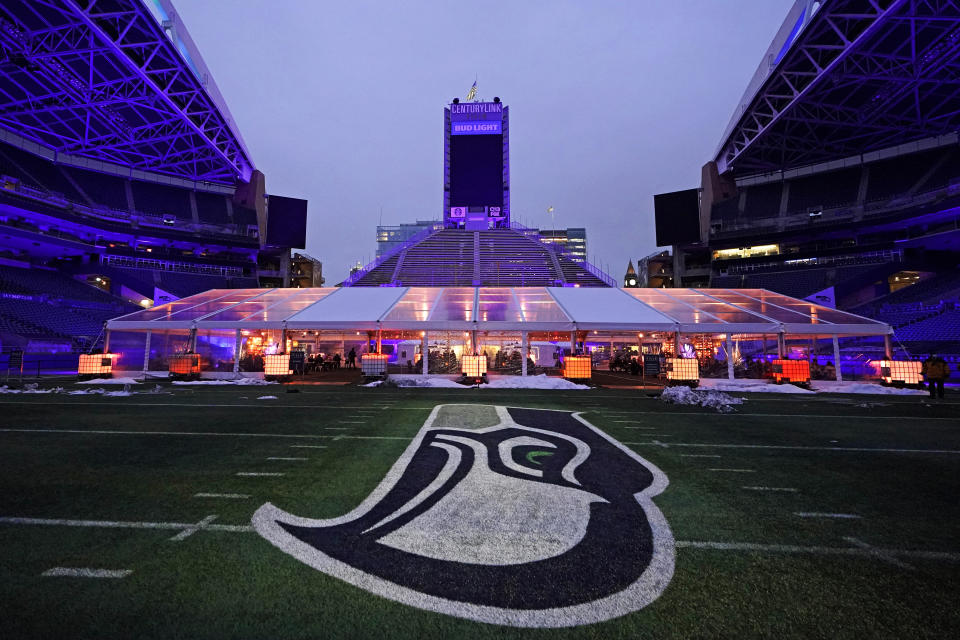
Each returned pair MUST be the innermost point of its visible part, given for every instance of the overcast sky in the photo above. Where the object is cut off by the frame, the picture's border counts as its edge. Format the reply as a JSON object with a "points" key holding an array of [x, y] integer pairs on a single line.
{"points": [[341, 103]]}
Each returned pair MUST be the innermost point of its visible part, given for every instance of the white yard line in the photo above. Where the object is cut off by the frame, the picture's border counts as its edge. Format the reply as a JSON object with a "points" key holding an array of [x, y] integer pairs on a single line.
{"points": [[338, 428], [164, 433], [641, 428], [118, 524], [67, 572], [192, 529], [735, 470], [351, 422], [786, 489], [698, 455], [258, 474], [814, 514], [860, 549], [720, 445], [280, 458], [308, 446], [229, 496], [882, 554]]}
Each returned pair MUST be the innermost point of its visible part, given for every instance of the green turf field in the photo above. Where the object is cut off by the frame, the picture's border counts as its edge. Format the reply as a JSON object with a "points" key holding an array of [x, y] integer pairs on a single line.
{"points": [[112, 483]]}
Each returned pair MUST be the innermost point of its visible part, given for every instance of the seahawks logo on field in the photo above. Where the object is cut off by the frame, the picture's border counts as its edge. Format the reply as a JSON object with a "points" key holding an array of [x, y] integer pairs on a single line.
{"points": [[519, 517]]}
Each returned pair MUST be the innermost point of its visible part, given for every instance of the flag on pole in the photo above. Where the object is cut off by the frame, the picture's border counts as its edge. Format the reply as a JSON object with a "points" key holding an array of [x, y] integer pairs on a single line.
{"points": [[473, 91]]}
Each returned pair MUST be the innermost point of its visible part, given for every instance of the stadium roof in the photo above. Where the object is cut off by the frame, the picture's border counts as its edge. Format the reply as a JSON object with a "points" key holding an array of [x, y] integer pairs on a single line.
{"points": [[714, 311], [844, 77], [117, 81]]}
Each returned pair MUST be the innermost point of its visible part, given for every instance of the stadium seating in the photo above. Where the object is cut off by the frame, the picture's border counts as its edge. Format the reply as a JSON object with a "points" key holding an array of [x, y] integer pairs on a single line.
{"points": [[212, 208], [931, 291], [827, 190], [37, 172], [763, 200], [895, 176], [50, 283], [943, 328], [161, 200]]}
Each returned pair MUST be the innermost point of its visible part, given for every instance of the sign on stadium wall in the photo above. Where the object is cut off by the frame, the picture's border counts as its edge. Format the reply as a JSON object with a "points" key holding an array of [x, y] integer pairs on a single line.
{"points": [[520, 517]]}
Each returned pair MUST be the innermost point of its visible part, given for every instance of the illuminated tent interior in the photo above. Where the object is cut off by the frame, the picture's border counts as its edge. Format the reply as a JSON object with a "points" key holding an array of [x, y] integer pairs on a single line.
{"points": [[226, 326]]}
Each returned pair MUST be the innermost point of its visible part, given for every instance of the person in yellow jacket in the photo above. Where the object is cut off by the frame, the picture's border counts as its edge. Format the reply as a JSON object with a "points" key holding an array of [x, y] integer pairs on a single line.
{"points": [[935, 370]]}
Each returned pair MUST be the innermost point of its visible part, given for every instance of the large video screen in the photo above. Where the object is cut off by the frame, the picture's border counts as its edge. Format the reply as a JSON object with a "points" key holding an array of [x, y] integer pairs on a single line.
{"points": [[287, 222], [476, 171], [677, 217]]}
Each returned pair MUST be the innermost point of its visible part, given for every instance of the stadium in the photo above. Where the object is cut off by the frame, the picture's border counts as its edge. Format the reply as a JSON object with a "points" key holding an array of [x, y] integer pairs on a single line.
{"points": [[478, 433]]}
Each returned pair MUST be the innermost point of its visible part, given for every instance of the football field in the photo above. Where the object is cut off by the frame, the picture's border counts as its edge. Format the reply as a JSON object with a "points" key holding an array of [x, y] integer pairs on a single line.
{"points": [[431, 513]]}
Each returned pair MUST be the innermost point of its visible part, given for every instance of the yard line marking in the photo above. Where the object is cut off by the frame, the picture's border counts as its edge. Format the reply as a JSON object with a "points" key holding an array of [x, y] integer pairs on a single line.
{"points": [[787, 489], [117, 524], [67, 572], [788, 447], [351, 422], [231, 496], [280, 458], [624, 421], [642, 428], [252, 474], [880, 553], [192, 529], [814, 514], [871, 552], [335, 438], [308, 446], [735, 470], [164, 433], [338, 428], [698, 455], [867, 552]]}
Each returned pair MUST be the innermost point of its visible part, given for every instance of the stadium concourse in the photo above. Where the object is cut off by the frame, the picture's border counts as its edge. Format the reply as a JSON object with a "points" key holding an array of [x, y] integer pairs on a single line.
{"points": [[232, 331]]}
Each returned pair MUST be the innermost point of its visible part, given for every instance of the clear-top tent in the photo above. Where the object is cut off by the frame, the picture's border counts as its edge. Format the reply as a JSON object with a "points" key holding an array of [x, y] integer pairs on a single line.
{"points": [[524, 309]]}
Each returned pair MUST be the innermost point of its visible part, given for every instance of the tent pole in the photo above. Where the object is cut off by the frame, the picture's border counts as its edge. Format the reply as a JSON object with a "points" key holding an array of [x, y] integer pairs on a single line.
{"points": [[424, 352], [729, 347], [106, 341], [524, 347], [836, 357], [236, 354], [146, 353], [781, 346], [887, 347]]}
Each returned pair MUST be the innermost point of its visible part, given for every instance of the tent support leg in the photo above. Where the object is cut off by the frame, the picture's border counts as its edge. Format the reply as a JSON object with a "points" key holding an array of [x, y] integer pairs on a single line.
{"points": [[887, 347], [524, 348], [424, 353], [236, 354], [836, 358], [729, 347], [146, 353]]}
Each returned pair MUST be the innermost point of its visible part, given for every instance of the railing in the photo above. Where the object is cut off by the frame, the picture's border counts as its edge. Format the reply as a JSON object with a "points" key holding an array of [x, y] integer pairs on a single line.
{"points": [[357, 275], [534, 234], [171, 266]]}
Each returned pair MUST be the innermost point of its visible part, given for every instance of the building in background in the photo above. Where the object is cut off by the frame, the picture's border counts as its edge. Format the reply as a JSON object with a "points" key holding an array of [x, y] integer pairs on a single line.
{"points": [[391, 237], [630, 280], [305, 271], [655, 270], [573, 241]]}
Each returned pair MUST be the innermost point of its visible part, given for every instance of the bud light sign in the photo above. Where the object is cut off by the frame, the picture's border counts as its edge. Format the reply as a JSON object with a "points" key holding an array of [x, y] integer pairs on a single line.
{"points": [[476, 127]]}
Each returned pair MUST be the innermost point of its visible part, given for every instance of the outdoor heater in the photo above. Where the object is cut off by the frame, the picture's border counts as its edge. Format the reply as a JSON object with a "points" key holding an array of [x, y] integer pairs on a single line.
{"points": [[791, 371], [474, 366], [578, 367], [96, 364], [184, 365], [899, 371], [683, 369], [276, 365]]}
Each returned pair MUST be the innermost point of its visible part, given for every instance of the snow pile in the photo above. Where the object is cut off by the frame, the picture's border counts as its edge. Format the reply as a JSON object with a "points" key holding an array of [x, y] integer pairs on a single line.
{"points": [[709, 399], [749, 386], [31, 387], [825, 386], [542, 381], [242, 382], [424, 381], [375, 383], [267, 398], [110, 381], [100, 391]]}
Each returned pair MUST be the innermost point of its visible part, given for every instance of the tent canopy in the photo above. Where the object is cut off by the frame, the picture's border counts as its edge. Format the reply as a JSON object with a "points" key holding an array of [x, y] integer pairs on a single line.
{"points": [[501, 309]]}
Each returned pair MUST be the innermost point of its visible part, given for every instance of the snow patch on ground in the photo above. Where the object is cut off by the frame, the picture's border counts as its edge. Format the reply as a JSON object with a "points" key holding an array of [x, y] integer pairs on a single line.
{"points": [[110, 381], [749, 386], [424, 381], [827, 386], [31, 387], [375, 383], [267, 398], [710, 399], [242, 382], [542, 381]]}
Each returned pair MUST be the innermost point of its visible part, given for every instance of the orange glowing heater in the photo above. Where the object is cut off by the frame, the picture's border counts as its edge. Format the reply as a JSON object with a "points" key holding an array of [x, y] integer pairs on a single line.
{"points": [[373, 364], [185, 364], [682, 369], [96, 364], [578, 367], [905, 371], [474, 366], [277, 364], [791, 370]]}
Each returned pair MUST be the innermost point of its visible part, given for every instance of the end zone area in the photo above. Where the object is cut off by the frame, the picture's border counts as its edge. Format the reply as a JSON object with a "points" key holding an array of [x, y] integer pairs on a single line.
{"points": [[832, 516]]}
